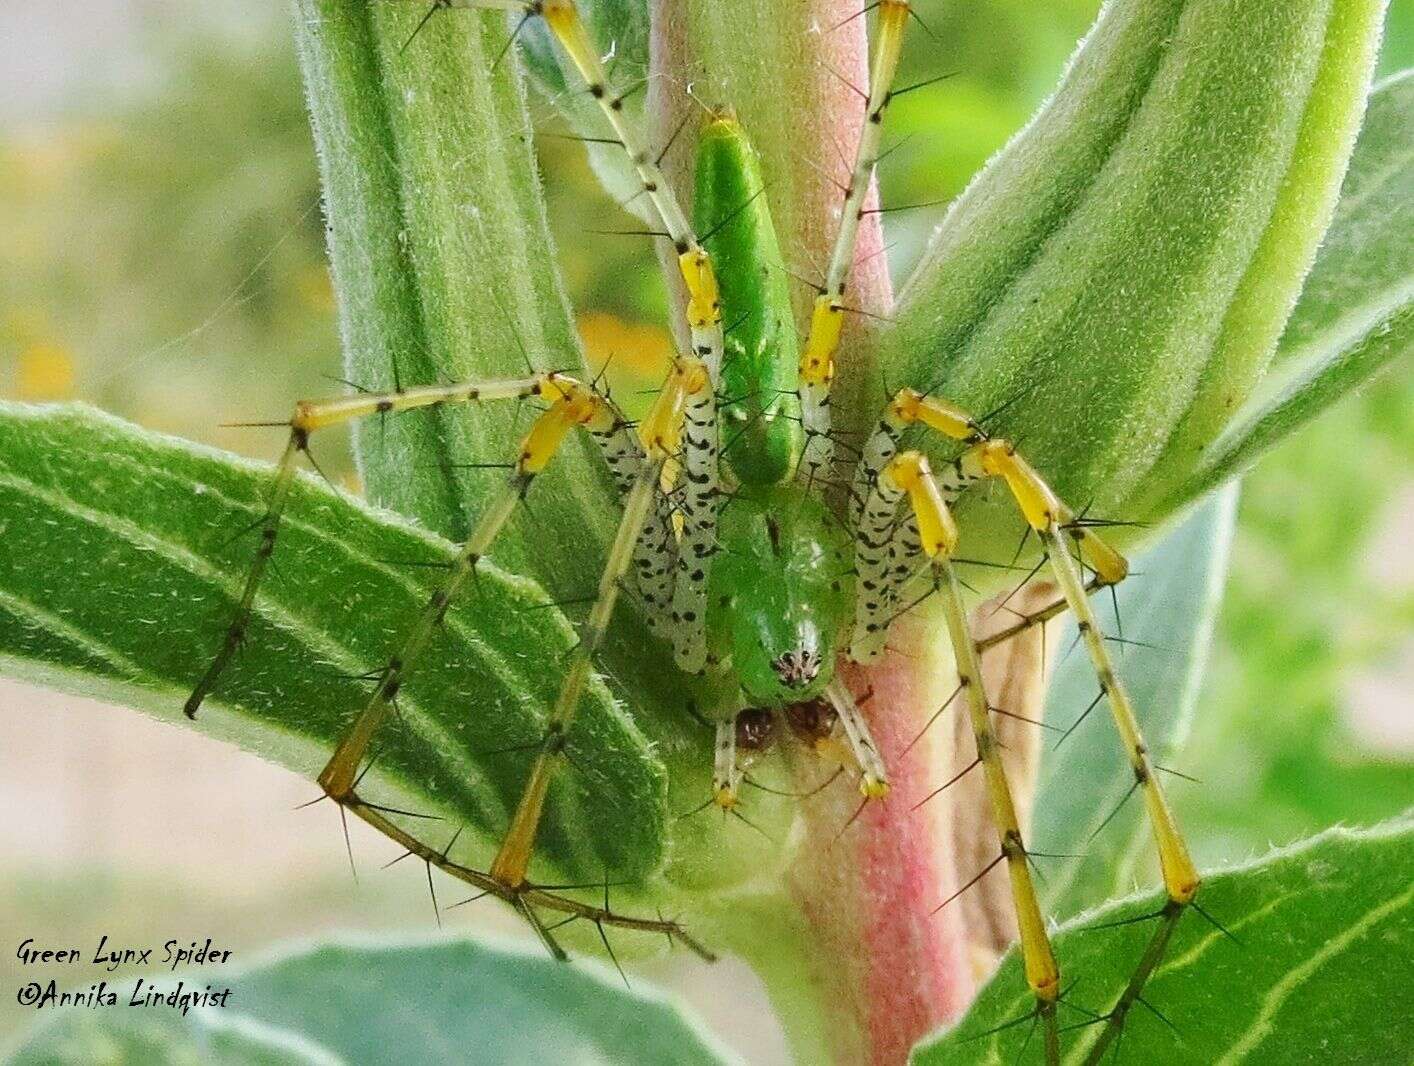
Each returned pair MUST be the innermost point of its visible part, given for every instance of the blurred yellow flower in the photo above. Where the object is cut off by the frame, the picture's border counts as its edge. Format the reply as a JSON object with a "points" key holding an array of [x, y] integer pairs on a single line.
{"points": [[44, 369], [630, 348], [45, 372], [315, 288]]}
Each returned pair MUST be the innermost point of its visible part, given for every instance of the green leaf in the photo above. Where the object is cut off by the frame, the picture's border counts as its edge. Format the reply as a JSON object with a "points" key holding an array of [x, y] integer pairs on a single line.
{"points": [[1168, 608], [1121, 270], [123, 557], [121, 1034], [445, 271], [367, 1002], [1356, 312], [1323, 929]]}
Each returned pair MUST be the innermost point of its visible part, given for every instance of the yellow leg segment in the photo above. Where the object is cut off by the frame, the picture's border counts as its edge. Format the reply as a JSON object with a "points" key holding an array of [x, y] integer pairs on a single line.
{"points": [[1053, 522], [704, 304], [704, 311], [1056, 525], [909, 473], [312, 415], [1058, 529]]}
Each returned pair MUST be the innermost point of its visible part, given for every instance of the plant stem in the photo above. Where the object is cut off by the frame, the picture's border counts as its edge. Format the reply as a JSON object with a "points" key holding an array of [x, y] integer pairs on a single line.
{"points": [[879, 968]]}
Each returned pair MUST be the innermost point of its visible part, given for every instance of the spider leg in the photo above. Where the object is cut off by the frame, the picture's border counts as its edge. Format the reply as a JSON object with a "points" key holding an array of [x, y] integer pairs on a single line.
{"points": [[571, 403], [873, 775], [681, 612], [526, 896], [1061, 533], [661, 433], [654, 561], [908, 474], [726, 770], [817, 357], [620, 451], [701, 499], [704, 311]]}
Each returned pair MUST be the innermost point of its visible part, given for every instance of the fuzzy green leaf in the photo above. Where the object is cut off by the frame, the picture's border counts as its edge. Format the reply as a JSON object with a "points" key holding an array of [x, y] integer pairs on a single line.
{"points": [[1167, 608], [1121, 271], [121, 1034], [1322, 931], [1356, 312], [446, 271], [438, 1001], [443, 262], [123, 557]]}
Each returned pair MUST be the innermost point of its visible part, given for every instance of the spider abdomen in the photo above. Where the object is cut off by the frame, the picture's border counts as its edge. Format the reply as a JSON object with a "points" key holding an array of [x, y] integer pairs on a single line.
{"points": [[761, 433]]}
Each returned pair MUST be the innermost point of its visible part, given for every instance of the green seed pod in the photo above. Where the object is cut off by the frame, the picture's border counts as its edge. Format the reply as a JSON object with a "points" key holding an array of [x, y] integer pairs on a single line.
{"points": [[1119, 275]]}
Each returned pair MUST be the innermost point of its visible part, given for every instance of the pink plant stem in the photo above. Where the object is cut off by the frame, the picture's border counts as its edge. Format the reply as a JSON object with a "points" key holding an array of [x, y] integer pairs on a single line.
{"points": [[869, 892], [886, 968]]}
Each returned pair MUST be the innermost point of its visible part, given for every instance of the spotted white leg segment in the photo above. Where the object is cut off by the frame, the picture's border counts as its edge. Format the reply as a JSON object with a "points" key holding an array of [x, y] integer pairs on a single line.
{"points": [[622, 452], [873, 776], [881, 446], [726, 773], [875, 531], [817, 460], [699, 503], [654, 558], [653, 555], [902, 564]]}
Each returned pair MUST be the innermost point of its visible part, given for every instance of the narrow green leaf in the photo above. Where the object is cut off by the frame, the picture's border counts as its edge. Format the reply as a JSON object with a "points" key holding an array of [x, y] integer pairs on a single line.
{"points": [[1322, 931], [368, 1002], [123, 557], [1356, 312], [1141, 238], [446, 271], [1168, 608], [443, 263]]}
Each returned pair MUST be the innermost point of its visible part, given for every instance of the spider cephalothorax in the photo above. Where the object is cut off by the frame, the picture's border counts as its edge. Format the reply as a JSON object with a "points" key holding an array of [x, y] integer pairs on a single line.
{"points": [[726, 535]]}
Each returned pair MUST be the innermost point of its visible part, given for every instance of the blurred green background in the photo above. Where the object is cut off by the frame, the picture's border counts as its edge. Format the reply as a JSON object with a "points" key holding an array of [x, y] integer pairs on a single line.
{"points": [[162, 257]]}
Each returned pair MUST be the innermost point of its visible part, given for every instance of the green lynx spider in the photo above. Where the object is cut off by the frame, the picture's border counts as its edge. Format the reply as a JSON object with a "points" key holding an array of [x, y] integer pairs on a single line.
{"points": [[748, 418]]}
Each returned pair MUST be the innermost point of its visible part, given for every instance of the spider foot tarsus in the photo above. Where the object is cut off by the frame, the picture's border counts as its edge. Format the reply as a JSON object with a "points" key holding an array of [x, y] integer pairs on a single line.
{"points": [[1113, 1020], [527, 898]]}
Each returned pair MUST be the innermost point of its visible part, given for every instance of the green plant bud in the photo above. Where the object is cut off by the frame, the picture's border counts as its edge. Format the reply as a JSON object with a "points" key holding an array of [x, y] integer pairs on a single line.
{"points": [[1118, 276]]}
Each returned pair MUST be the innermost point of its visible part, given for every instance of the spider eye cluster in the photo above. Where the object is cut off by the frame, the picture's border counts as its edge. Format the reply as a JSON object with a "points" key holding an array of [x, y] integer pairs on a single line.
{"points": [[797, 667]]}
